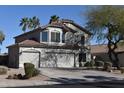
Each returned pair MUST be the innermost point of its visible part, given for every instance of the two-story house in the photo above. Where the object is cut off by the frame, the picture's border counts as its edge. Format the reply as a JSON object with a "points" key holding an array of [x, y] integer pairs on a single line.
{"points": [[47, 46]]}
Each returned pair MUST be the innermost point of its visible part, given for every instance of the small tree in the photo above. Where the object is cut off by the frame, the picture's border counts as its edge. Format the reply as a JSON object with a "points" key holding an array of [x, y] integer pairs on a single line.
{"points": [[2, 38], [106, 23]]}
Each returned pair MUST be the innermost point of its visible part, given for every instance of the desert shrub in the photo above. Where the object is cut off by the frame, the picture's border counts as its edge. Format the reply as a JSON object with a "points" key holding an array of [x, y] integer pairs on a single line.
{"points": [[107, 66], [3, 70], [36, 72], [122, 70], [9, 77], [29, 69], [99, 63]]}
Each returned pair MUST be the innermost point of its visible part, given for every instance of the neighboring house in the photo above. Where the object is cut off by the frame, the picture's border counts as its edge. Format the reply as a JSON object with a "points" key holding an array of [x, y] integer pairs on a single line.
{"points": [[47, 46], [100, 52]]}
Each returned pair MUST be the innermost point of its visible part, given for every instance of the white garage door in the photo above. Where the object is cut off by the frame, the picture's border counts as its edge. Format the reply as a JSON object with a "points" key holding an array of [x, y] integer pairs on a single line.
{"points": [[30, 57], [65, 60], [57, 60]]}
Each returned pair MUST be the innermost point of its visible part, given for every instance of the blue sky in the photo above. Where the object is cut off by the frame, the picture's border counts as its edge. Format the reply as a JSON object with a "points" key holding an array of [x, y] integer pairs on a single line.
{"points": [[10, 18]]}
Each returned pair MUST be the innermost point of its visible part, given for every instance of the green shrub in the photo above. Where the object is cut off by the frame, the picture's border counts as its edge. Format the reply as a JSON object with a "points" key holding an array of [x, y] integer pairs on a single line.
{"points": [[88, 64], [3, 70], [29, 69], [99, 63], [107, 66], [36, 72], [20, 76]]}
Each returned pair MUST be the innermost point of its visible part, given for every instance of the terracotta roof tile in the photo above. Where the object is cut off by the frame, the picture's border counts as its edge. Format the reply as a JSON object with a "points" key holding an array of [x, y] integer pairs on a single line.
{"points": [[29, 42], [32, 43]]}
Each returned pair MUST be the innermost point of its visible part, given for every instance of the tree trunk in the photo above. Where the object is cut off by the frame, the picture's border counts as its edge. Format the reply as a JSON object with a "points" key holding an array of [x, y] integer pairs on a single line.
{"points": [[116, 61], [113, 56], [112, 45]]}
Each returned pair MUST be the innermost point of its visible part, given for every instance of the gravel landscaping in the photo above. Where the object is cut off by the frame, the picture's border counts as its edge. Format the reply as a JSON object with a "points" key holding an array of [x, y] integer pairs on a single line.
{"points": [[34, 81]]}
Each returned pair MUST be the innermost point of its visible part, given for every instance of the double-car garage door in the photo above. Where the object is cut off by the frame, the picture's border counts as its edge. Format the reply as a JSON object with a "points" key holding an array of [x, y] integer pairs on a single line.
{"points": [[58, 60]]}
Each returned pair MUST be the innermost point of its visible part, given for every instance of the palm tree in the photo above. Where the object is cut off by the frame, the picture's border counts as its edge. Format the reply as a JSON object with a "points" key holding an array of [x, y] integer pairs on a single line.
{"points": [[24, 22], [54, 18], [34, 22], [2, 38], [29, 23]]}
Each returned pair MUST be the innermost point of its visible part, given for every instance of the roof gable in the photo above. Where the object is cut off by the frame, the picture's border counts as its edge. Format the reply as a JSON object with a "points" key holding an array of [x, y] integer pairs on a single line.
{"points": [[66, 25], [71, 24]]}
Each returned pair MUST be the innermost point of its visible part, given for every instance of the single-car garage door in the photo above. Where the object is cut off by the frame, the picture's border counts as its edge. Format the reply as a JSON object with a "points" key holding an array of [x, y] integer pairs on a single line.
{"points": [[29, 57]]}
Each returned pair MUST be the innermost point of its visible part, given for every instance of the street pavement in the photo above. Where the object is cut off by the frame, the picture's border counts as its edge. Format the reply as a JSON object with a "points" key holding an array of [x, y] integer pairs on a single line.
{"points": [[83, 78]]}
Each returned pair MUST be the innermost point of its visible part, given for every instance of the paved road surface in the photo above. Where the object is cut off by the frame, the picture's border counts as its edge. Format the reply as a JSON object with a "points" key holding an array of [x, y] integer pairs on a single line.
{"points": [[83, 78]]}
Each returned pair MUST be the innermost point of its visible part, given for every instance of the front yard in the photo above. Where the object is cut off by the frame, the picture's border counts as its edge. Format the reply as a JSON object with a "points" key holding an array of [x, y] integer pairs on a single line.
{"points": [[34, 81], [56, 77]]}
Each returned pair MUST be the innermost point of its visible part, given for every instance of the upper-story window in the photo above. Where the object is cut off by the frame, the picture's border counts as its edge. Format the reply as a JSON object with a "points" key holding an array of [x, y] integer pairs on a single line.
{"points": [[82, 40], [44, 36], [55, 37], [63, 38]]}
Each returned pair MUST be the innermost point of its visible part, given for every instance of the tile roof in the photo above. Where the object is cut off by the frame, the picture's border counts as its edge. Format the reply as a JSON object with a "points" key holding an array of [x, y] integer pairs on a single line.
{"points": [[29, 42], [32, 43], [75, 24]]}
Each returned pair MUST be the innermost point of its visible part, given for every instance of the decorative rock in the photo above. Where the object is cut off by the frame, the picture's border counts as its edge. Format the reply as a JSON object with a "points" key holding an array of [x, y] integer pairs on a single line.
{"points": [[9, 77], [15, 76]]}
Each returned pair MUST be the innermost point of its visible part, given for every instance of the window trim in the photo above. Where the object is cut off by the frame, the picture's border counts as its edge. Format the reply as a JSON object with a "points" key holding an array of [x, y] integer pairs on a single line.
{"points": [[47, 36], [56, 37]]}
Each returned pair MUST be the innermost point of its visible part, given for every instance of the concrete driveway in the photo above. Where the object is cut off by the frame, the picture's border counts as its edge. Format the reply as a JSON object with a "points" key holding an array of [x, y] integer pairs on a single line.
{"points": [[80, 76]]}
